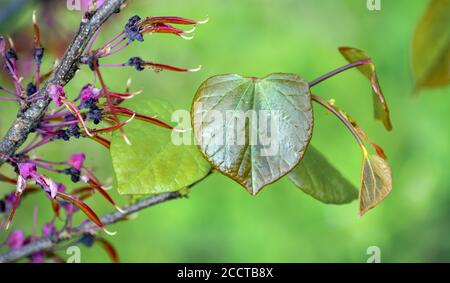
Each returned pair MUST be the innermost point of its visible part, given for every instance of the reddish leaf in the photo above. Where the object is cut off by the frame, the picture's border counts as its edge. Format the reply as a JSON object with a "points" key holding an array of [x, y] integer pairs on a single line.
{"points": [[431, 46], [109, 248], [13, 211], [376, 182], [380, 106], [83, 207]]}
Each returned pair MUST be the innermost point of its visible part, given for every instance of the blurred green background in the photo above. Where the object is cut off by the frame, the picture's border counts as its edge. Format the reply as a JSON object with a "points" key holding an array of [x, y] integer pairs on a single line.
{"points": [[220, 222]]}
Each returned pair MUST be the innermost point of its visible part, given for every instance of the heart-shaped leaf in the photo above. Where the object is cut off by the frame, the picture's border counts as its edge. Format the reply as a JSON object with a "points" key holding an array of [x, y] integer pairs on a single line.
{"points": [[431, 46], [376, 182], [253, 130], [381, 109], [153, 164], [315, 176]]}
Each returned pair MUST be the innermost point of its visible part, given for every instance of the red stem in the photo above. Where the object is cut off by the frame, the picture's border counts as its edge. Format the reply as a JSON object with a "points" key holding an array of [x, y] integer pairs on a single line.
{"points": [[339, 70]]}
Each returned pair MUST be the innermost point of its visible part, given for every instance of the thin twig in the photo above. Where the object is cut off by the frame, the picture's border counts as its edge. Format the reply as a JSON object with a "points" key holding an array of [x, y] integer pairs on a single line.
{"points": [[48, 243]]}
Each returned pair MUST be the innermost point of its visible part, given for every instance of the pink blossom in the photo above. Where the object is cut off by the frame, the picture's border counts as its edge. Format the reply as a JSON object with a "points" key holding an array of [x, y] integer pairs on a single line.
{"points": [[77, 160], [48, 229], [28, 171], [56, 93], [89, 92], [85, 4], [16, 239]]}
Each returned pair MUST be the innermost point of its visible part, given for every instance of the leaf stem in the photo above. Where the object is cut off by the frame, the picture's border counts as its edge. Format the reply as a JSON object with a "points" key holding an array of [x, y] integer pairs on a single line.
{"points": [[341, 117], [339, 70]]}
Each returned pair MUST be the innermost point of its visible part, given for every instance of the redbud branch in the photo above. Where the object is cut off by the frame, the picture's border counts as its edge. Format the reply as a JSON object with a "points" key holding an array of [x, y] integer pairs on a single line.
{"points": [[48, 243], [51, 242], [28, 119]]}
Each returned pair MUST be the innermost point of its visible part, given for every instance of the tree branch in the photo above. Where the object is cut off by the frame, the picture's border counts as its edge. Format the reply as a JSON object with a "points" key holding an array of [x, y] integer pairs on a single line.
{"points": [[28, 119], [48, 243]]}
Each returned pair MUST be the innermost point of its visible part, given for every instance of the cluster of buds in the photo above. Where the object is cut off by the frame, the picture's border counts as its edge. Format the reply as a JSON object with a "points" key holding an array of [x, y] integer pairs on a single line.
{"points": [[92, 113]]}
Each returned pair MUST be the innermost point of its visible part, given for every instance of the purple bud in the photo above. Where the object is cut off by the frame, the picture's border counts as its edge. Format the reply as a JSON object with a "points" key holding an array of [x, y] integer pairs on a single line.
{"points": [[56, 93], [132, 30], [38, 55], [37, 257], [136, 62], [48, 229], [31, 89], [77, 160], [85, 4], [16, 239], [11, 198], [73, 131], [70, 208], [11, 54], [88, 239], [27, 170], [61, 188], [88, 92], [92, 62]]}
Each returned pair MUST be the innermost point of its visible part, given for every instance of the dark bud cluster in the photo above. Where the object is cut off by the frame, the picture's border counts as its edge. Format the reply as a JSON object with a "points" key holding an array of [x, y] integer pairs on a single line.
{"points": [[69, 117], [31, 89], [87, 239], [11, 54], [2, 206], [91, 103], [62, 135], [137, 63], [74, 174], [73, 131], [95, 114], [133, 30], [92, 62], [38, 55]]}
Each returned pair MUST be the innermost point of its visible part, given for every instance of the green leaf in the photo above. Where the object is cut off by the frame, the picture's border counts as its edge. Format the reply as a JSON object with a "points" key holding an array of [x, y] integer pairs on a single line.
{"points": [[431, 46], [152, 164], [315, 176], [234, 145], [381, 109], [376, 182]]}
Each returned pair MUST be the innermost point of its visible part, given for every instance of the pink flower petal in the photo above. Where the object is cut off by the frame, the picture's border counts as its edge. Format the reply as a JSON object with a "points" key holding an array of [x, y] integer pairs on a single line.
{"points": [[27, 170], [77, 160], [16, 239]]}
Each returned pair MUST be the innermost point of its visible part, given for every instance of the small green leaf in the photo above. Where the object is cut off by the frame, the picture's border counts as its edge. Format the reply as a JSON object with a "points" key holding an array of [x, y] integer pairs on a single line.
{"points": [[152, 164], [431, 46], [381, 109], [233, 144], [315, 176], [376, 182]]}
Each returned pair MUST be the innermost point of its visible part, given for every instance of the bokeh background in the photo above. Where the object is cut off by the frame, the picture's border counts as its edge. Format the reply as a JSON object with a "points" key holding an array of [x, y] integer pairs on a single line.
{"points": [[220, 222]]}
